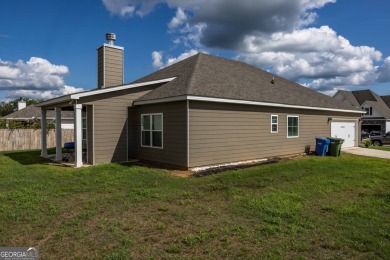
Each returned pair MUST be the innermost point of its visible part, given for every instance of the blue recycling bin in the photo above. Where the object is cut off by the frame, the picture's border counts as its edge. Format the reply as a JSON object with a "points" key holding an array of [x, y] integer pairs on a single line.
{"points": [[321, 146]]}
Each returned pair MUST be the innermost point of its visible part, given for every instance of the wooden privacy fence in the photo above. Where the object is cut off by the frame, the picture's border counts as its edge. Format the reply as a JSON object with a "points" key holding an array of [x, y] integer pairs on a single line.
{"points": [[27, 139]]}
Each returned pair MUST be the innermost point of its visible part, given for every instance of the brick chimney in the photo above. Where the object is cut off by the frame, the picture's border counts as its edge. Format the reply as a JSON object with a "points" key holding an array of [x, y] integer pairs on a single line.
{"points": [[110, 63]]}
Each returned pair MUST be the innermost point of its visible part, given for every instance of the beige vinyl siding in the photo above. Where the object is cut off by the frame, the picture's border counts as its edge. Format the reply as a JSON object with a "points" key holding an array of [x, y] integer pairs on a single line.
{"points": [[110, 122], [89, 110], [174, 151], [221, 133], [110, 66], [100, 67]]}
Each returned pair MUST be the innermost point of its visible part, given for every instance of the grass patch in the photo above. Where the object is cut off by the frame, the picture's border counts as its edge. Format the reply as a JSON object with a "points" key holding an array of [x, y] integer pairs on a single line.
{"points": [[314, 207], [383, 148]]}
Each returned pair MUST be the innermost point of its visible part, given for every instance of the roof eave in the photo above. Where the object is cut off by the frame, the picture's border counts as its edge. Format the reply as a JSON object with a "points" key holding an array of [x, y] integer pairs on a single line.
{"points": [[243, 102], [76, 96], [54, 101]]}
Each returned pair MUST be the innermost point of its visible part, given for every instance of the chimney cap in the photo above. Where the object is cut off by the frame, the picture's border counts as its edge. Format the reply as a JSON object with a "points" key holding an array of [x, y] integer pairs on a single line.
{"points": [[110, 37]]}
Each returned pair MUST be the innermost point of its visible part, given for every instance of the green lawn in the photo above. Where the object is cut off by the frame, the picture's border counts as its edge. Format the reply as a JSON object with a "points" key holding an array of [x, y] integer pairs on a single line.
{"points": [[384, 148], [313, 207]]}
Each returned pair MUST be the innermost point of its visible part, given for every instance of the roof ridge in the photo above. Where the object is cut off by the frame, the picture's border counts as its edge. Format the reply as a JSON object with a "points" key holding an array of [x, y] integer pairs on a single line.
{"points": [[190, 81]]}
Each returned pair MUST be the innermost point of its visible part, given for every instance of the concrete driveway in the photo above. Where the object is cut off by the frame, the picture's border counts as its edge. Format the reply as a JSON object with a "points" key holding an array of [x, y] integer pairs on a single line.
{"points": [[367, 152]]}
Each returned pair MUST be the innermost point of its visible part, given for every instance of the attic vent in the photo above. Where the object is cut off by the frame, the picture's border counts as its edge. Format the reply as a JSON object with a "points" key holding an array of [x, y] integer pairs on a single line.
{"points": [[273, 80]]}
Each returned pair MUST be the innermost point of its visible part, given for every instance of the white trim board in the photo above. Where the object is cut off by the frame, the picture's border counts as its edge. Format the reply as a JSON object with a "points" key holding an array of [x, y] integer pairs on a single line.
{"points": [[101, 91], [237, 101]]}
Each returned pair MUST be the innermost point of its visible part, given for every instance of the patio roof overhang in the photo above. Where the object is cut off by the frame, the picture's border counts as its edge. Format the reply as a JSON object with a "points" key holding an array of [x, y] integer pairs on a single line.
{"points": [[61, 101]]}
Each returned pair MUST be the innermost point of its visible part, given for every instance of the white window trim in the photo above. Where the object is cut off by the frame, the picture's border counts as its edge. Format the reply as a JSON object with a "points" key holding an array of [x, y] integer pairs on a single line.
{"points": [[298, 127], [151, 131], [277, 124]]}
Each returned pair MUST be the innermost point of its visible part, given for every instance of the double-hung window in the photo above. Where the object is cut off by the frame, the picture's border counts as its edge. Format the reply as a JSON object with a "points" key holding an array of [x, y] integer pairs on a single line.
{"points": [[292, 126], [152, 130], [274, 123]]}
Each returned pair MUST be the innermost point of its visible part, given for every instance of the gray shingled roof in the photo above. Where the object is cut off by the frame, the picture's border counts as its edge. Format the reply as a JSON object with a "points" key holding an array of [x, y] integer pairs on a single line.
{"points": [[350, 98], [32, 111], [364, 95], [209, 76], [386, 99], [373, 100]]}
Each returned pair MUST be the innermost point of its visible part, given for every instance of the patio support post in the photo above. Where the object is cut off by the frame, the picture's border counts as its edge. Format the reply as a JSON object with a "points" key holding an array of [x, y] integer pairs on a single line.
{"points": [[58, 135], [78, 135], [44, 134]]}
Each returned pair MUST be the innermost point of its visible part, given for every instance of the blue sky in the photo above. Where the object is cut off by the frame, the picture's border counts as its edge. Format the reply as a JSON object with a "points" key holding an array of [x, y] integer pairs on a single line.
{"points": [[48, 48]]}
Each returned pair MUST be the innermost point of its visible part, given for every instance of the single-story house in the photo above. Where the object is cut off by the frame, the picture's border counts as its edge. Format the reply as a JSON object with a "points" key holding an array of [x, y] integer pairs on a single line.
{"points": [[32, 113], [204, 110], [377, 111]]}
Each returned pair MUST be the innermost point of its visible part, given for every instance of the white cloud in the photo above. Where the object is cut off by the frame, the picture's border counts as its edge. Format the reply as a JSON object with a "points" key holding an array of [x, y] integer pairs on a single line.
{"points": [[229, 21], [384, 71], [312, 53], [35, 78], [190, 35], [122, 8], [178, 19], [158, 58], [182, 56], [273, 35]]}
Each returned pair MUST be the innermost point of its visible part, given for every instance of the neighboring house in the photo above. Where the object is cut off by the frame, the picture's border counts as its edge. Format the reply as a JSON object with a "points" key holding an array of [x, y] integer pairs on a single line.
{"points": [[377, 116], [203, 110], [32, 113], [386, 99]]}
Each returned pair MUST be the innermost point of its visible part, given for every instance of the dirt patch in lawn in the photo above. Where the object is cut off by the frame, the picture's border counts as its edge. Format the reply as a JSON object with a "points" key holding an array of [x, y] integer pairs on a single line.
{"points": [[214, 169]]}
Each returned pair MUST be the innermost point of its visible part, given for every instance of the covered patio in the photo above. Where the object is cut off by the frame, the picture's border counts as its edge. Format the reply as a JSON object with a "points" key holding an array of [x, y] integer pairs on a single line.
{"points": [[80, 138]]}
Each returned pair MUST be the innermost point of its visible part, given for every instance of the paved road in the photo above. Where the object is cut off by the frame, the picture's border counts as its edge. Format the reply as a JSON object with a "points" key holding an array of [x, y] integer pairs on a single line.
{"points": [[367, 152]]}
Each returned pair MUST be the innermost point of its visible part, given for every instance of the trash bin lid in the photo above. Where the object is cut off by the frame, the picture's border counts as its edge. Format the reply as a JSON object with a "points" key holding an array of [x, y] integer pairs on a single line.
{"points": [[336, 140], [323, 139]]}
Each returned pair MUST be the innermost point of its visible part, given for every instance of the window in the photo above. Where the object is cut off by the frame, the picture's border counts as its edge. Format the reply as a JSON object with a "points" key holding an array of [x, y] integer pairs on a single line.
{"points": [[152, 130], [274, 123], [292, 126], [368, 111]]}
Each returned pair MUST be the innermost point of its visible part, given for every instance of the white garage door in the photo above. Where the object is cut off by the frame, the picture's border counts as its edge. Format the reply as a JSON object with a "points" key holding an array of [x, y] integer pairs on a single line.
{"points": [[344, 130]]}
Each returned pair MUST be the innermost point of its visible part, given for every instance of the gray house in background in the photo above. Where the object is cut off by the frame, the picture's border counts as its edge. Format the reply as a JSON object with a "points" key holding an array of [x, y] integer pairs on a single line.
{"points": [[31, 113], [203, 110], [377, 116]]}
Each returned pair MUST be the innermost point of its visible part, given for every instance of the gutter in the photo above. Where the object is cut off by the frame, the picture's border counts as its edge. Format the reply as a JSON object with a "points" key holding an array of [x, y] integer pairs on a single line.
{"points": [[243, 102]]}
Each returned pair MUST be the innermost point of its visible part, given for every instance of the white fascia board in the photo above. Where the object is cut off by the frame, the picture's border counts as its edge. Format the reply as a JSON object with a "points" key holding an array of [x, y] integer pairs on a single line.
{"points": [[54, 101], [112, 89], [243, 102], [100, 91]]}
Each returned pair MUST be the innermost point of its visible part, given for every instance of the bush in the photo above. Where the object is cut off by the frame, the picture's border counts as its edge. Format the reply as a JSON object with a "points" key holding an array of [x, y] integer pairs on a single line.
{"points": [[33, 124], [366, 142]]}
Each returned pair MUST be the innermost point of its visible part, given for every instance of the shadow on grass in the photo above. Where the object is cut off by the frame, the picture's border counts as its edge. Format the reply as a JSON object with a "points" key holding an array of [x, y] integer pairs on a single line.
{"points": [[27, 157]]}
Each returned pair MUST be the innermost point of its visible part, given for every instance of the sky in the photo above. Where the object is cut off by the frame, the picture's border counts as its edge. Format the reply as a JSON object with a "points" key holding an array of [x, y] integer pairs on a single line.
{"points": [[48, 47]]}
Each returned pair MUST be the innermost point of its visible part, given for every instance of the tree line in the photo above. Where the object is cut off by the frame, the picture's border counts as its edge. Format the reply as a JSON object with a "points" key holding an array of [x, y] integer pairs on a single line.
{"points": [[9, 107]]}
